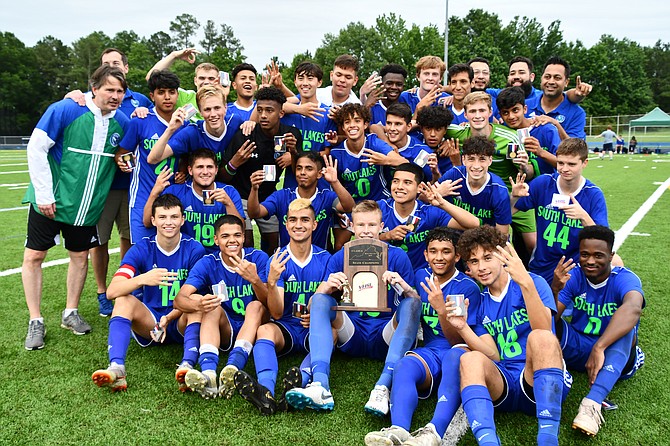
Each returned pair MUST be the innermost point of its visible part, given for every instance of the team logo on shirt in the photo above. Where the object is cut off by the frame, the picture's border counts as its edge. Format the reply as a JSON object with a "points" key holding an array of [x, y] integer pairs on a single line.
{"points": [[560, 118], [114, 139], [135, 103]]}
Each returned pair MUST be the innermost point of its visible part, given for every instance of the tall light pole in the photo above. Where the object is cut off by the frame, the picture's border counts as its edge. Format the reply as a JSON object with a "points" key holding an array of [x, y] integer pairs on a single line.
{"points": [[446, 39]]}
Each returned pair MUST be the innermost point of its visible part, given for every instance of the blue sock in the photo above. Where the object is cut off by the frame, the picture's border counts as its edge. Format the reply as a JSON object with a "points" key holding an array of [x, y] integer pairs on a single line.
{"points": [[478, 407], [306, 370], [191, 343], [238, 357], [265, 358], [209, 357], [118, 339], [409, 375], [548, 389], [321, 337], [616, 357], [449, 390], [403, 339]]}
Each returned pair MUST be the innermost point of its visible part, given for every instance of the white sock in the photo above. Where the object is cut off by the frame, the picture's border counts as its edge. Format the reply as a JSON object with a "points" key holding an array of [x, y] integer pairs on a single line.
{"points": [[69, 311], [39, 319]]}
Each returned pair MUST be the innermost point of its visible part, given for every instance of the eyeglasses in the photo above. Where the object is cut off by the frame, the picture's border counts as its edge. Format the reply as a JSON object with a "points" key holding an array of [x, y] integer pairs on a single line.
{"points": [[484, 72]]}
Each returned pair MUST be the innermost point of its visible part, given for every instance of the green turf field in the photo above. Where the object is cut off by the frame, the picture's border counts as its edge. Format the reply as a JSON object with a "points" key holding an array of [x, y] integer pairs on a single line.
{"points": [[47, 396]]}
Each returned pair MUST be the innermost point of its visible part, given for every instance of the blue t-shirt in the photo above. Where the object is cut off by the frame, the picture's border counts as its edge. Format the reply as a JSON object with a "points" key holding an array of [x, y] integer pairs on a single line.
{"points": [[195, 136], [414, 243], [558, 235], [459, 283], [490, 203], [362, 180], [211, 270], [549, 139], [146, 255], [323, 201], [397, 262], [571, 116], [505, 318], [594, 305], [301, 279], [199, 219]]}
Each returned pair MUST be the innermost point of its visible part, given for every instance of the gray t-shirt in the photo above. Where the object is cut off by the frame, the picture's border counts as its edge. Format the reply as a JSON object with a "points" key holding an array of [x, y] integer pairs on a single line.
{"points": [[608, 136]]}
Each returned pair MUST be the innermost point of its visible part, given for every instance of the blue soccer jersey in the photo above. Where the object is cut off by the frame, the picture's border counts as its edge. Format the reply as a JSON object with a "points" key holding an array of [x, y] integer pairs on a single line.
{"points": [[505, 318], [242, 114], [413, 99], [195, 136], [212, 270], [397, 262], [199, 219], [424, 217], [378, 113], [459, 283], [141, 136], [132, 100], [323, 201], [416, 152], [558, 234], [146, 255], [301, 279], [549, 139], [490, 203], [594, 305], [362, 180], [571, 116], [459, 116]]}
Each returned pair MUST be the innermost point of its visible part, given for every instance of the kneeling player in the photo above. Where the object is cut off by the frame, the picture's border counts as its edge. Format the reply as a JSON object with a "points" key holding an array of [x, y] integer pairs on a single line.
{"points": [[294, 272], [515, 363], [233, 324], [420, 370], [153, 269], [601, 337]]}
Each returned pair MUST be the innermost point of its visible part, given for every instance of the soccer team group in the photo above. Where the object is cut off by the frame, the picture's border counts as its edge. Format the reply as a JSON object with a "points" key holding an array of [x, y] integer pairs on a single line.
{"points": [[445, 174]]}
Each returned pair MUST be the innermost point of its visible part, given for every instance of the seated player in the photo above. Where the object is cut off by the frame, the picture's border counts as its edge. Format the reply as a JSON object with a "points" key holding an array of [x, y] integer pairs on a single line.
{"points": [[407, 220], [564, 203], [543, 140], [232, 325], [293, 273], [310, 167], [435, 364], [393, 83], [433, 123], [601, 338], [480, 192], [143, 289], [200, 212], [387, 335], [515, 363]]}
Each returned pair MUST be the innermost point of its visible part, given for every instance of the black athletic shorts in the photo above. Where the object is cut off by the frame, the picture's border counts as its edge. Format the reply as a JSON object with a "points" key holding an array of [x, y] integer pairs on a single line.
{"points": [[44, 233]]}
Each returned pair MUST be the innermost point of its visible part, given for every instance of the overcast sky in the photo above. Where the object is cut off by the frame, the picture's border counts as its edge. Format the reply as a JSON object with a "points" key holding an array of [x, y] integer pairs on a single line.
{"points": [[274, 27]]}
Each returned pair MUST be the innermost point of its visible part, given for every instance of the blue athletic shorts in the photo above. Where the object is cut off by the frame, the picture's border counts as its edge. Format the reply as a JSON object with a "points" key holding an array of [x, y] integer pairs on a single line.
{"points": [[368, 340], [172, 336], [296, 337], [432, 354]]}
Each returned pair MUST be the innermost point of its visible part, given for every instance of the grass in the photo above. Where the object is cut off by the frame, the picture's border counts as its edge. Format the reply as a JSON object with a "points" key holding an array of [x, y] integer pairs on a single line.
{"points": [[47, 396]]}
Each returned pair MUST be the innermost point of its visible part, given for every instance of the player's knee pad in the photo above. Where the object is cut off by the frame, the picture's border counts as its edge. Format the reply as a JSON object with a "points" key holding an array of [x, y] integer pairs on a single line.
{"points": [[347, 330]]}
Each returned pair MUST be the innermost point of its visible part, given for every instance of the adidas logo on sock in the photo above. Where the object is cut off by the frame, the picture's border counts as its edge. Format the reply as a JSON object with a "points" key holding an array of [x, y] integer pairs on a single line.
{"points": [[307, 369], [475, 425], [486, 320], [193, 349], [609, 368], [443, 399], [545, 413], [109, 347]]}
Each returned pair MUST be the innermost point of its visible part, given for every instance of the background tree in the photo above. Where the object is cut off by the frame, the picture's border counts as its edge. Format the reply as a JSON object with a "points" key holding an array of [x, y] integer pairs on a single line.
{"points": [[183, 28], [658, 72]]}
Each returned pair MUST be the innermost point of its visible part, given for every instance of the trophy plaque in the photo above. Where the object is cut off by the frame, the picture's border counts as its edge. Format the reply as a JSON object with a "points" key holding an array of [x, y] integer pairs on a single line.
{"points": [[365, 261]]}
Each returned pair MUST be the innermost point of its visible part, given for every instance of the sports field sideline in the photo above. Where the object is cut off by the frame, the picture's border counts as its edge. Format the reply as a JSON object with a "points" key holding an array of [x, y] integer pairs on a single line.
{"points": [[47, 396]]}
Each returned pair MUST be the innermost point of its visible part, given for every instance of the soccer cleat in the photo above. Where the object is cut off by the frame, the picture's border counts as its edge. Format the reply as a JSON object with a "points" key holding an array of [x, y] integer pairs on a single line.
{"points": [[378, 404], [105, 306], [35, 337], [76, 324], [589, 418], [227, 382], [426, 436], [112, 377], [255, 393], [314, 397], [292, 379], [388, 436], [202, 382], [180, 375]]}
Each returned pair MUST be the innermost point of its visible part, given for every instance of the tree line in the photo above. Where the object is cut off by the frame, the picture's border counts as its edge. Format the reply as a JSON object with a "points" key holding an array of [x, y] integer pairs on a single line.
{"points": [[628, 78]]}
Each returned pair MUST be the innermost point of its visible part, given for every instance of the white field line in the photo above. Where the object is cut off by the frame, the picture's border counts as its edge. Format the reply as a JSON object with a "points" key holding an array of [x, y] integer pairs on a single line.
{"points": [[14, 164], [13, 209], [56, 262], [628, 227], [13, 172]]}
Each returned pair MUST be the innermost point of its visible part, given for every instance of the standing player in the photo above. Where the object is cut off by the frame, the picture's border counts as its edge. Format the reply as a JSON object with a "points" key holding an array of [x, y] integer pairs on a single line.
{"points": [[156, 267], [436, 363], [608, 137], [376, 335], [601, 338], [233, 324], [294, 273], [433, 123], [245, 86], [393, 83], [515, 362], [71, 166], [310, 168], [343, 77], [480, 192], [204, 199], [564, 203], [459, 79], [429, 73]]}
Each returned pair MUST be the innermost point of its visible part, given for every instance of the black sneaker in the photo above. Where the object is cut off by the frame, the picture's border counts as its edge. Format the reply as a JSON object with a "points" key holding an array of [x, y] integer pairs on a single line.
{"points": [[292, 379], [255, 393]]}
